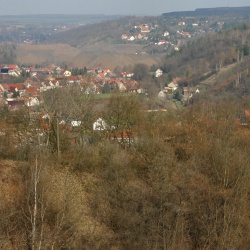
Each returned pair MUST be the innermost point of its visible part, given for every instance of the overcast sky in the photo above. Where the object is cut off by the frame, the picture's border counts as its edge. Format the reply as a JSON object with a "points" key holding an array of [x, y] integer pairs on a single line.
{"points": [[124, 7]]}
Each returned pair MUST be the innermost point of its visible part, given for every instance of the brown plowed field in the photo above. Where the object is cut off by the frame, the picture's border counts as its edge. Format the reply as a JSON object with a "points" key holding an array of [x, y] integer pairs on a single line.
{"points": [[105, 55]]}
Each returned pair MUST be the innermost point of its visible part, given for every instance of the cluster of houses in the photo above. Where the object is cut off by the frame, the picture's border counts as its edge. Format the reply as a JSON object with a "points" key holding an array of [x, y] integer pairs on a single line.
{"points": [[10, 69], [168, 32], [141, 32], [96, 81], [184, 33], [172, 87]]}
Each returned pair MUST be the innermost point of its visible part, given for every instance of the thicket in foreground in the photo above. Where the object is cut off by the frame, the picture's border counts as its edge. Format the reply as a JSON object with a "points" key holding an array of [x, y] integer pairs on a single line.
{"points": [[184, 184]]}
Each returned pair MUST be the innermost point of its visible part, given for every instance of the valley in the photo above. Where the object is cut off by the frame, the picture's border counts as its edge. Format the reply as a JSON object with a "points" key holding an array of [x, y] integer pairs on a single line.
{"points": [[125, 132]]}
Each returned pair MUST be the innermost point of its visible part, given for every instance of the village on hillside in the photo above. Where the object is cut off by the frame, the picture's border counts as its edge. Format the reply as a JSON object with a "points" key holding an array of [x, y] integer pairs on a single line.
{"points": [[172, 33], [89, 81], [94, 82]]}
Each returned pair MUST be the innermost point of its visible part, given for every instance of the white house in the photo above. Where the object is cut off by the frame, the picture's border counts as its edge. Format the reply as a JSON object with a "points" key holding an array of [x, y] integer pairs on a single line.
{"points": [[99, 125], [32, 101], [67, 73], [161, 42], [158, 73], [131, 38], [166, 33], [124, 36], [121, 87], [13, 73], [76, 123]]}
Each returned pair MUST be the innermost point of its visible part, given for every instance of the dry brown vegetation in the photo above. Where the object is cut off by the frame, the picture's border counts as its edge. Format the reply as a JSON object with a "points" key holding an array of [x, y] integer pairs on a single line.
{"points": [[100, 54], [184, 184]]}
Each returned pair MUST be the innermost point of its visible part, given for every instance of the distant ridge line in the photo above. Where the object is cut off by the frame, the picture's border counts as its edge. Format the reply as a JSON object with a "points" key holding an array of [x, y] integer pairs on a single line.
{"points": [[211, 12]]}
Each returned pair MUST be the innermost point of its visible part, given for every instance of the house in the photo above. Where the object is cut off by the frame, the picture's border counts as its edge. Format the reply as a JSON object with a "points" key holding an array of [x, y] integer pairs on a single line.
{"points": [[13, 67], [139, 36], [162, 42], [32, 101], [121, 87], [186, 34], [145, 29], [51, 85], [2, 90], [91, 88], [124, 36], [188, 92], [13, 73], [133, 89], [107, 72], [75, 123], [162, 95], [14, 104], [99, 125], [101, 76], [66, 73], [158, 73], [127, 74], [11, 87], [32, 91], [173, 86], [131, 38], [58, 70], [181, 23], [166, 33], [72, 79]]}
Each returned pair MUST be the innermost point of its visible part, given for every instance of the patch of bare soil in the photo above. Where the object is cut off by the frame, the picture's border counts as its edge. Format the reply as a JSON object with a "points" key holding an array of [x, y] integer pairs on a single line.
{"points": [[102, 54], [49, 53]]}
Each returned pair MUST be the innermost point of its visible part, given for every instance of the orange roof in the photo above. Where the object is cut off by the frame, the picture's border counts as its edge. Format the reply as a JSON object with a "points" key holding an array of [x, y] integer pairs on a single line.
{"points": [[32, 91], [101, 75], [13, 66], [72, 78], [8, 86]]}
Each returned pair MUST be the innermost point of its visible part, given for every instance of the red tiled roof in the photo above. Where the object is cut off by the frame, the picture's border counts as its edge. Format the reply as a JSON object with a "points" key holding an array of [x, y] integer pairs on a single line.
{"points": [[101, 75], [8, 86], [72, 78], [13, 66], [32, 91]]}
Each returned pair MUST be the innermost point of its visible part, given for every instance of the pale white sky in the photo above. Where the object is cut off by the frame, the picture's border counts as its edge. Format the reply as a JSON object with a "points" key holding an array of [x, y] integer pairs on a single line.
{"points": [[110, 7]]}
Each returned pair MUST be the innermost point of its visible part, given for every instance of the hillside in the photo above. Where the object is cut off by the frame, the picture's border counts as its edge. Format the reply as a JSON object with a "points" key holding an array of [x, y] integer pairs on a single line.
{"points": [[41, 54], [206, 12], [101, 54], [107, 31], [221, 59]]}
